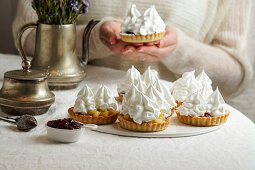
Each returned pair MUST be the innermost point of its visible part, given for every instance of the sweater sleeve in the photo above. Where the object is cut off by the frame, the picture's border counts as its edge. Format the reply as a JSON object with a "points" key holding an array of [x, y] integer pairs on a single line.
{"points": [[224, 58]]}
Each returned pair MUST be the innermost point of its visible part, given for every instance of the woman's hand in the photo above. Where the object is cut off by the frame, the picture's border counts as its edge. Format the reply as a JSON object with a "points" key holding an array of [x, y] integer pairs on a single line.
{"points": [[153, 51], [110, 36]]}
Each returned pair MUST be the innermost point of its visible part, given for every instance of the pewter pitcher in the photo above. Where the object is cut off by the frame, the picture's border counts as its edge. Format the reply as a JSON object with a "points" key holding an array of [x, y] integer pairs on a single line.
{"points": [[55, 53]]}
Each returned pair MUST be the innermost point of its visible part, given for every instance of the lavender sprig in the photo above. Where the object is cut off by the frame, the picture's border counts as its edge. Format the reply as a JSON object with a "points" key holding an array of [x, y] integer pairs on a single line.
{"points": [[59, 12]]}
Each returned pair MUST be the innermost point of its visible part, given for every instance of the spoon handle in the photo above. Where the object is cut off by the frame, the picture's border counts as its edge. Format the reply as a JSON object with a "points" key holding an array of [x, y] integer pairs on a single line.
{"points": [[7, 120], [90, 126]]}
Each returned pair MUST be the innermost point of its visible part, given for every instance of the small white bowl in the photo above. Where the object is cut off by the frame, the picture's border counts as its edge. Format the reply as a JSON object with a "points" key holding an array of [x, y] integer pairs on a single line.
{"points": [[64, 135]]}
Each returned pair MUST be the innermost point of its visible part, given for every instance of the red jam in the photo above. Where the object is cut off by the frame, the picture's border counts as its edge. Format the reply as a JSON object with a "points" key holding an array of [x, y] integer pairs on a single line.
{"points": [[66, 123]]}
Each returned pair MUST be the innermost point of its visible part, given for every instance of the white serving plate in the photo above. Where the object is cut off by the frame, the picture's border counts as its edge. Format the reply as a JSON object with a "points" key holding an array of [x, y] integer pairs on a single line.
{"points": [[175, 129]]}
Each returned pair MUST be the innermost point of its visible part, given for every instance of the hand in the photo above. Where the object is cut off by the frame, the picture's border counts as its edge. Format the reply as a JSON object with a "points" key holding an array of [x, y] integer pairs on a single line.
{"points": [[153, 51], [110, 36]]}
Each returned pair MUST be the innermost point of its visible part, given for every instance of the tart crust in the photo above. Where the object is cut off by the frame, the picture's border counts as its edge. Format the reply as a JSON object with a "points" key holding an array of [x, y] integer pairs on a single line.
{"points": [[144, 127], [202, 121], [142, 38], [121, 96], [88, 119], [178, 103], [173, 111]]}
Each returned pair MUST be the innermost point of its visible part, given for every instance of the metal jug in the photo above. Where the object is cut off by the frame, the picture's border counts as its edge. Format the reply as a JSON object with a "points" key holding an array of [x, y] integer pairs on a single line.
{"points": [[55, 53]]}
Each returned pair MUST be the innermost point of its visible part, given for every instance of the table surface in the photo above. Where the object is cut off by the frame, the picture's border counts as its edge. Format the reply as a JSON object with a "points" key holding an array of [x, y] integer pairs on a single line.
{"points": [[230, 147]]}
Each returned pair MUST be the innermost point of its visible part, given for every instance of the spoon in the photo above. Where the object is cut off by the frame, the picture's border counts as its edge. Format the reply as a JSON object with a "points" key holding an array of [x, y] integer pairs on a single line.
{"points": [[24, 122], [89, 126]]}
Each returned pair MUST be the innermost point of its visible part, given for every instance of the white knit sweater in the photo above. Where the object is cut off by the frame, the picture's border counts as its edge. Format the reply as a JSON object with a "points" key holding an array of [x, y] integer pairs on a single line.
{"points": [[208, 28]]}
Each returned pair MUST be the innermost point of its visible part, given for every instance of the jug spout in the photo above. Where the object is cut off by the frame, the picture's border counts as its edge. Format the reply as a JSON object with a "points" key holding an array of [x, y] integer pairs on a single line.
{"points": [[85, 43]]}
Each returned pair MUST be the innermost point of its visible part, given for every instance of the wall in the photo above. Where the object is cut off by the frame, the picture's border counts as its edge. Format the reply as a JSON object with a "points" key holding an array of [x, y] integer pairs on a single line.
{"points": [[7, 14]]}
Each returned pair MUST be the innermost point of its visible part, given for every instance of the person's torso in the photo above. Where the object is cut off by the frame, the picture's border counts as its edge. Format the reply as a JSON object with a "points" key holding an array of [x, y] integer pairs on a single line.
{"points": [[193, 17]]}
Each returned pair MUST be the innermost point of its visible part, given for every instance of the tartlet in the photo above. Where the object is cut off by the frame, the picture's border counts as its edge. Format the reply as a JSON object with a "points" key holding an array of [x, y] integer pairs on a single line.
{"points": [[197, 110], [140, 112], [90, 119], [99, 109], [138, 28], [203, 121], [152, 126], [132, 38]]}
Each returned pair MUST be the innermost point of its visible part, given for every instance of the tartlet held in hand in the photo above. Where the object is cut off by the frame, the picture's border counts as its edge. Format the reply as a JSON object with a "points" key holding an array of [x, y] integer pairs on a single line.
{"points": [[198, 111], [99, 109], [140, 113], [138, 28]]}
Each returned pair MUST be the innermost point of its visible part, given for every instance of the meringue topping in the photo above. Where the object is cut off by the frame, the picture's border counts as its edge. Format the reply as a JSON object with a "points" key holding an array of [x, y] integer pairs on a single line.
{"points": [[148, 23], [157, 97], [132, 76], [149, 76], [194, 105], [205, 82], [139, 107], [185, 86], [165, 92], [216, 104], [141, 86], [85, 100], [104, 100]]}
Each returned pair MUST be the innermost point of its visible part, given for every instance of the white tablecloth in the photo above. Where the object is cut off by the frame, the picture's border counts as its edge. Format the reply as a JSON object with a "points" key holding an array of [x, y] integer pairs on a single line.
{"points": [[231, 147]]}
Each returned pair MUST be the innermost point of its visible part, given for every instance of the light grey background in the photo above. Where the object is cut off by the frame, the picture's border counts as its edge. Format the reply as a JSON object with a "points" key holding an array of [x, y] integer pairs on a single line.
{"points": [[245, 102]]}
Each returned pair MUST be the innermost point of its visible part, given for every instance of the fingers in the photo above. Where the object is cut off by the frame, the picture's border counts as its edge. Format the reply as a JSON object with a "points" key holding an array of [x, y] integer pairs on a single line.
{"points": [[152, 43], [109, 32], [117, 47], [108, 35], [137, 44], [128, 50], [141, 57], [155, 51], [170, 38]]}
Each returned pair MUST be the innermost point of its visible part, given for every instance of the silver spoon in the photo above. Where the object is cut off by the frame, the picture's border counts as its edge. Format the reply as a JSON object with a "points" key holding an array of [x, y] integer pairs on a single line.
{"points": [[24, 122]]}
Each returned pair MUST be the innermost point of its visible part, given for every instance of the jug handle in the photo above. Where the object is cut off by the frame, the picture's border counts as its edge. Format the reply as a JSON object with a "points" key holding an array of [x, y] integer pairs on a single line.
{"points": [[85, 40], [25, 62]]}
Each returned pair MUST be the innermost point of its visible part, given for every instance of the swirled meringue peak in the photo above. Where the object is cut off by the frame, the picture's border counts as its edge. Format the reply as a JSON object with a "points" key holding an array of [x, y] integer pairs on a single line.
{"points": [[85, 100], [141, 86], [157, 97], [165, 92], [205, 82], [148, 23], [216, 104], [130, 22], [132, 76], [149, 76], [104, 100], [139, 107], [185, 86], [194, 105]]}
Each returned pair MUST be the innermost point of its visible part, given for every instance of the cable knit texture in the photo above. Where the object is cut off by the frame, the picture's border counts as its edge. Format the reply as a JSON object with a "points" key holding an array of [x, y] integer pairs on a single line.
{"points": [[209, 29]]}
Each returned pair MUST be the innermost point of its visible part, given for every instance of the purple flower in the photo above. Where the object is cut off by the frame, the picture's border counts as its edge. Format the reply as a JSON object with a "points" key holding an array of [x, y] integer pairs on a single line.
{"points": [[86, 10], [85, 2], [74, 3], [76, 9]]}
